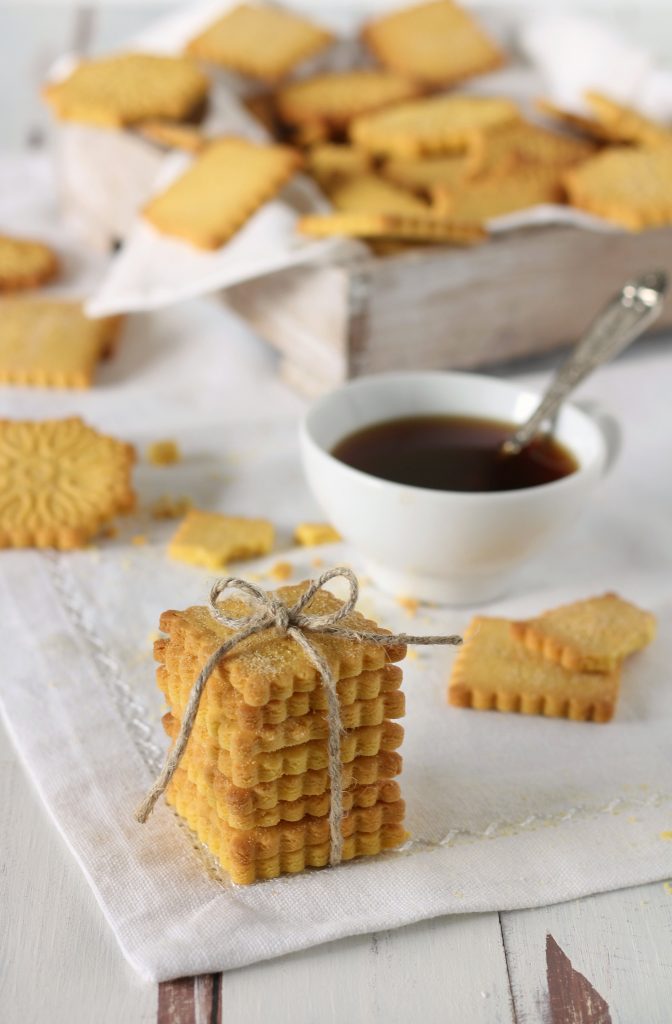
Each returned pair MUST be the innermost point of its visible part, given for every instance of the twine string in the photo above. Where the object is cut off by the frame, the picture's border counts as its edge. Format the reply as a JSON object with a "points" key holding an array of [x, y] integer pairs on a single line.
{"points": [[269, 612]]}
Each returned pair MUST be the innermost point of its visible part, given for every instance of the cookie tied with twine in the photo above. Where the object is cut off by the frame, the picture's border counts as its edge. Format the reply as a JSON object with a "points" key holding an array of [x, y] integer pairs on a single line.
{"points": [[266, 612]]}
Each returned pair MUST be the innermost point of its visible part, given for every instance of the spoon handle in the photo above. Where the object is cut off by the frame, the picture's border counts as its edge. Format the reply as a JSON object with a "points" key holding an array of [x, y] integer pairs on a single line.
{"points": [[628, 314]]}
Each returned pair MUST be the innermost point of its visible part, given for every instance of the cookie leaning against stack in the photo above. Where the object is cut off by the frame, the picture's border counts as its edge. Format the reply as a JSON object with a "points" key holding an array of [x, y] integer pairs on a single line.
{"points": [[253, 784], [564, 664]]}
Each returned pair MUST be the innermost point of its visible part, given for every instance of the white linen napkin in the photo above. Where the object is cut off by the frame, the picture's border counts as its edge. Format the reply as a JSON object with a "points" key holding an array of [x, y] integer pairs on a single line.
{"points": [[574, 54], [505, 811]]}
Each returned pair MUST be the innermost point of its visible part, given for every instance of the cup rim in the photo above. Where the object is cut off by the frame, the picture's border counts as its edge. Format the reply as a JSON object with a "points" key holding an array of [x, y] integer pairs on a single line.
{"points": [[358, 475]]}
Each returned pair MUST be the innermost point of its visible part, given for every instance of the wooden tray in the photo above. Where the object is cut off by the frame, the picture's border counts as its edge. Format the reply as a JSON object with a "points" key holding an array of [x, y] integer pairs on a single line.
{"points": [[519, 294]]}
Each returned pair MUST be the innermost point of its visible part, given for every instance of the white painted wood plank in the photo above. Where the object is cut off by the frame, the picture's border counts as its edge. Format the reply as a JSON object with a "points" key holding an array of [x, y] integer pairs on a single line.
{"points": [[446, 971], [59, 960], [620, 941]]}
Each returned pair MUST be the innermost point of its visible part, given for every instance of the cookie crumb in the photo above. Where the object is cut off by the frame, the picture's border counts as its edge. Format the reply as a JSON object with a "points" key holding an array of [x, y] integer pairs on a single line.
{"points": [[309, 535], [409, 604], [139, 540], [163, 453], [281, 571], [211, 540]]}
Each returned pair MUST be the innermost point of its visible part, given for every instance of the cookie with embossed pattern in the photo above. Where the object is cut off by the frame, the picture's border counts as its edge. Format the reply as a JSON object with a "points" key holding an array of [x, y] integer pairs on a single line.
{"points": [[60, 482]]}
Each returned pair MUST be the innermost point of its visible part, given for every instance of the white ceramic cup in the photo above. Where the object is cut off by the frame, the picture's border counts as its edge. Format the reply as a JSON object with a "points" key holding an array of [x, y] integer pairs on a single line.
{"points": [[443, 546]]}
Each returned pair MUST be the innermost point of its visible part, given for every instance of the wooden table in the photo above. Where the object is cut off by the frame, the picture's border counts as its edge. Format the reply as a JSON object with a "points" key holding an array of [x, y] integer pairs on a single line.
{"points": [[602, 960]]}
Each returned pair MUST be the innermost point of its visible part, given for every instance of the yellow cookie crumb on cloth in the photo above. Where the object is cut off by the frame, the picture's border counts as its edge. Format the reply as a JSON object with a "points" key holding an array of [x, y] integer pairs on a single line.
{"points": [[211, 539], [263, 42], [51, 343], [494, 671], [129, 88], [25, 263], [139, 540], [594, 635], [163, 453], [166, 507], [312, 534], [281, 571], [60, 482], [436, 43], [224, 185], [409, 604]]}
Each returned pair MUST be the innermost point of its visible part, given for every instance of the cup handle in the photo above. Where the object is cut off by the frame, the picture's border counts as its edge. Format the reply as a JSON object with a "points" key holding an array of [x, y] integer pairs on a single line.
{"points": [[608, 426]]}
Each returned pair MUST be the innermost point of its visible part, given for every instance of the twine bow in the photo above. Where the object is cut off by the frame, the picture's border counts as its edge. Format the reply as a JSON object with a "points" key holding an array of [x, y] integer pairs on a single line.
{"points": [[268, 612]]}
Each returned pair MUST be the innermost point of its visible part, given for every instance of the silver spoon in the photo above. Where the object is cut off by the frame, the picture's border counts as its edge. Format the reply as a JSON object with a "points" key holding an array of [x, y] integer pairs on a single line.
{"points": [[629, 313]]}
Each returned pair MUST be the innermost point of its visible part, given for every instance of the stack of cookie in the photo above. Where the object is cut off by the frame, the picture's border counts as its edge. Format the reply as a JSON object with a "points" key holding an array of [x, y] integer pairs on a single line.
{"points": [[253, 784], [565, 663]]}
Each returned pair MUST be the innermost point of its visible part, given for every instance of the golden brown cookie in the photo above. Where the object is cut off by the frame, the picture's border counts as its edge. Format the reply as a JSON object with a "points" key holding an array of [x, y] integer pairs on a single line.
{"points": [[229, 723], [311, 534], [335, 98], [429, 227], [330, 163], [626, 185], [579, 123], [623, 124], [481, 200], [262, 107], [494, 671], [270, 667], [25, 264], [288, 847], [240, 808], [436, 125], [227, 182], [213, 540], [173, 135], [522, 146], [436, 43], [52, 343], [60, 481], [368, 193], [129, 88], [588, 636], [222, 702], [260, 41], [313, 755]]}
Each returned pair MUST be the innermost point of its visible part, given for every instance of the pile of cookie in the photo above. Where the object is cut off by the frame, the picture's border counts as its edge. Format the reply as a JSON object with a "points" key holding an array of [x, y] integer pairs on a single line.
{"points": [[253, 784], [402, 160], [565, 663]]}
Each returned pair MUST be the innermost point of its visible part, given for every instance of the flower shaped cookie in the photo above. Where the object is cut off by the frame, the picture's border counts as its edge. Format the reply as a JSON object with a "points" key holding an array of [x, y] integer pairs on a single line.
{"points": [[60, 481]]}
